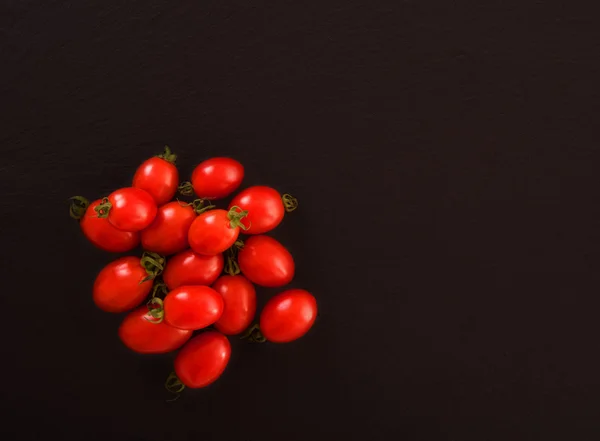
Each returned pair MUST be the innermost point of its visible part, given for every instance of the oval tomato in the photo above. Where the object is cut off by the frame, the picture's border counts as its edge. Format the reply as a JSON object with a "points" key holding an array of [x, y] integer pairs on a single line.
{"points": [[214, 231], [288, 315], [192, 307], [101, 232], [140, 335], [168, 233], [203, 359], [266, 262], [239, 297], [124, 283], [189, 268], [265, 208], [158, 176], [128, 209], [217, 178]]}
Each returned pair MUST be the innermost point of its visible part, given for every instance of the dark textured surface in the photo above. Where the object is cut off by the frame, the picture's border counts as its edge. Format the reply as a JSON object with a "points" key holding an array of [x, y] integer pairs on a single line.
{"points": [[444, 157]]}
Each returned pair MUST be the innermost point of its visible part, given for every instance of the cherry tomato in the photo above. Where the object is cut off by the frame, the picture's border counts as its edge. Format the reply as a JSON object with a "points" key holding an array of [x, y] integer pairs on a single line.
{"points": [[140, 335], [168, 233], [217, 178], [265, 208], [103, 235], [128, 209], [158, 176], [239, 297], [189, 268], [203, 359], [288, 315], [124, 283], [214, 231], [266, 262], [192, 307]]}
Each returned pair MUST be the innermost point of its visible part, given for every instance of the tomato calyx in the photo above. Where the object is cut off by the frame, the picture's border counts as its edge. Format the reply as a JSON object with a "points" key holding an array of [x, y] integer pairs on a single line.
{"points": [[290, 203], [235, 216], [186, 188], [231, 266], [78, 207], [153, 263], [103, 208], [168, 155], [199, 207], [174, 385], [254, 335]]}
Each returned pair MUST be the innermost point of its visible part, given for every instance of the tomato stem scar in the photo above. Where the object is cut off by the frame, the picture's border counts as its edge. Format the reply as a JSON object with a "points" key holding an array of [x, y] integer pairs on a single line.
{"points": [[79, 205], [290, 203]]}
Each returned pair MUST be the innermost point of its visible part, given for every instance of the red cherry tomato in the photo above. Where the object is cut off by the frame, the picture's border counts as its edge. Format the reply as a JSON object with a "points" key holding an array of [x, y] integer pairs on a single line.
{"points": [[192, 307], [265, 208], [203, 359], [217, 178], [168, 233], [128, 209], [239, 297], [189, 268], [266, 262], [123, 284], [214, 231], [140, 335], [288, 315], [103, 235], [158, 176]]}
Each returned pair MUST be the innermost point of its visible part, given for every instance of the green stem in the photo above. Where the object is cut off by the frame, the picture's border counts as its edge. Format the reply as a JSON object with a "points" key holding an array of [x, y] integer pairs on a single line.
{"points": [[254, 335], [186, 189], [156, 311], [153, 263], [235, 216], [174, 385], [78, 207], [103, 208], [290, 203], [168, 155], [199, 207]]}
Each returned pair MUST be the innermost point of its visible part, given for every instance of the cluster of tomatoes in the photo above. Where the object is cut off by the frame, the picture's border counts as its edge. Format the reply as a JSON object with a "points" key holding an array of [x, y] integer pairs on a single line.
{"points": [[179, 280]]}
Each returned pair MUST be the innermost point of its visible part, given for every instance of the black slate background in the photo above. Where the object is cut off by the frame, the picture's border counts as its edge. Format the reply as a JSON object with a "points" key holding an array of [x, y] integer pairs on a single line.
{"points": [[445, 158]]}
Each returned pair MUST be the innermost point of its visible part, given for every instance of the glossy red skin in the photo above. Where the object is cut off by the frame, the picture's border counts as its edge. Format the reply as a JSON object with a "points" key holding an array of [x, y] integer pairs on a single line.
{"points": [[168, 233], [144, 337], [288, 315], [239, 297], [132, 209], [217, 178], [211, 233], [203, 359], [189, 268], [104, 235], [117, 287], [265, 262], [159, 178], [193, 307], [265, 208]]}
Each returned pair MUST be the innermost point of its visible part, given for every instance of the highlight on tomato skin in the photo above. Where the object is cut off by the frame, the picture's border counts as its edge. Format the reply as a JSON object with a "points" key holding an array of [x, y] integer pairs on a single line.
{"points": [[192, 307], [168, 233], [266, 262], [265, 208], [214, 231], [141, 335], [190, 268], [288, 316], [203, 359], [239, 297], [128, 209], [158, 176], [217, 178], [124, 283], [103, 235]]}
